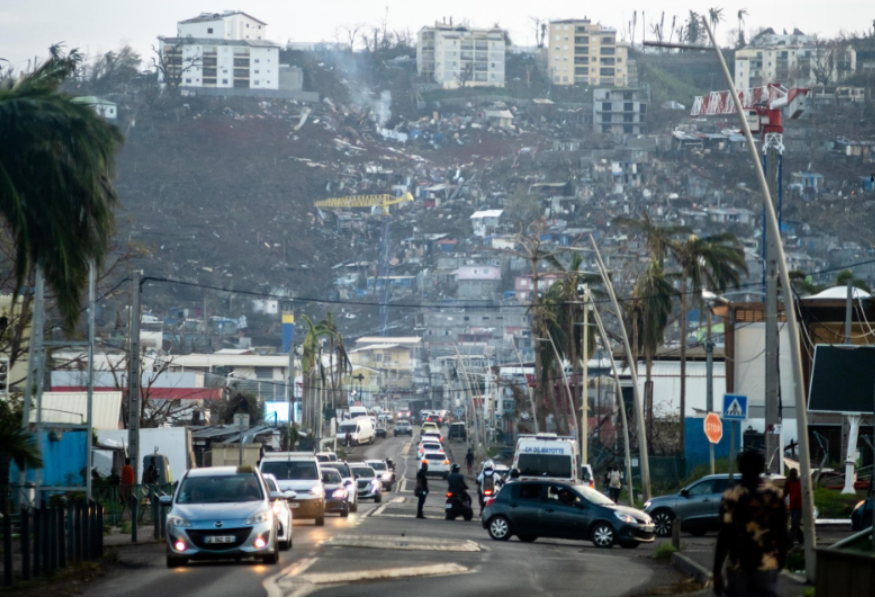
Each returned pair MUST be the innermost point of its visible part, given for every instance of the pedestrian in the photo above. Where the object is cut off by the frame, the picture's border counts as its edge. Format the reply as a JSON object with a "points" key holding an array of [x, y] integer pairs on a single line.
{"points": [[607, 480], [126, 484], [616, 483], [150, 475], [753, 538], [348, 438], [793, 490], [421, 489], [469, 461]]}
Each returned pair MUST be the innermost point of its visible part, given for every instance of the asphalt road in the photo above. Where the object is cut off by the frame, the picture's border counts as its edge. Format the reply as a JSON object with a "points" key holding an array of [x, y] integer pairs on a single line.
{"points": [[383, 551]]}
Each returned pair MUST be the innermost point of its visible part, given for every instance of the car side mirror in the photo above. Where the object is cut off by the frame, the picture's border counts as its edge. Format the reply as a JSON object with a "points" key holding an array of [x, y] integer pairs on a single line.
{"points": [[165, 501], [356, 476], [685, 493], [276, 496], [290, 494]]}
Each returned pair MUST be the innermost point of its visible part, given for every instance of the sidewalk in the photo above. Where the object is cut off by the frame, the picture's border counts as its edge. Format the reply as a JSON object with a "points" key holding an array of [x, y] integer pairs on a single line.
{"points": [[145, 535]]}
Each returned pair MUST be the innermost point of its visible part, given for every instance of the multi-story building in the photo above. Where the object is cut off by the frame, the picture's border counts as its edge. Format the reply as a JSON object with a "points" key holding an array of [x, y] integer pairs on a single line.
{"points": [[226, 50], [619, 112], [582, 52], [793, 60], [458, 56]]}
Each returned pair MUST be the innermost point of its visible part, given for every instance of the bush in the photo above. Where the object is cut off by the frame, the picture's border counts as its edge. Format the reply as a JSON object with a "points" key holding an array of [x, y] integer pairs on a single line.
{"points": [[795, 561], [832, 504], [664, 551], [125, 527]]}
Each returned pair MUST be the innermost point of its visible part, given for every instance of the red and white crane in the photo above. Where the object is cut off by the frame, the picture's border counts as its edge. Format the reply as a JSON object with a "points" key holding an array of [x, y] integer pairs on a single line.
{"points": [[764, 106]]}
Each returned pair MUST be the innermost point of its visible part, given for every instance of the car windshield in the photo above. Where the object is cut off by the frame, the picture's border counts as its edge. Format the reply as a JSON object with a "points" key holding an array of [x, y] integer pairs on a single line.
{"points": [[329, 476], [593, 496], [216, 489], [551, 466], [378, 466], [342, 468], [364, 472], [291, 470]]}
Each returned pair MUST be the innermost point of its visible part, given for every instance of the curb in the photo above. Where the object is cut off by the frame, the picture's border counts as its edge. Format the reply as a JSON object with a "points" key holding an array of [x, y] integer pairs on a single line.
{"points": [[688, 566]]}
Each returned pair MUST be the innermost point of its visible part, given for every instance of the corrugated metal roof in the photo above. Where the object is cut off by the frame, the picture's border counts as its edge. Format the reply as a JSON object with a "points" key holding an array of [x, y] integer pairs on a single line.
{"points": [[70, 408]]}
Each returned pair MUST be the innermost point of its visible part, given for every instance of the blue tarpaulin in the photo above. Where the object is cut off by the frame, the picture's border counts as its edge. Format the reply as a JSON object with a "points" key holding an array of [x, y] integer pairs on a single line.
{"points": [[64, 463]]}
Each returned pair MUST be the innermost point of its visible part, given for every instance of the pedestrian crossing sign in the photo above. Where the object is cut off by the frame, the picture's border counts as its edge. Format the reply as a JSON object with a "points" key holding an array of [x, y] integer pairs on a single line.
{"points": [[735, 407]]}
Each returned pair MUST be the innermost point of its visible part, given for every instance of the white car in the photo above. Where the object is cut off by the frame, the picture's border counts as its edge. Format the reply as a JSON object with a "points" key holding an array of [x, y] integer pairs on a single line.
{"points": [[282, 512], [429, 447], [438, 464]]}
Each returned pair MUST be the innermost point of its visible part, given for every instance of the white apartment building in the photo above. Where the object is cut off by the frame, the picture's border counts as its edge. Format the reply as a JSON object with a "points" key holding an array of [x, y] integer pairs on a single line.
{"points": [[458, 56], [223, 50], [580, 52], [793, 60]]}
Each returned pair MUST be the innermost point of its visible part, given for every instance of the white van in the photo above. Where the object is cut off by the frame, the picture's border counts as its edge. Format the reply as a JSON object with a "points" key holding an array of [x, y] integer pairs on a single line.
{"points": [[546, 457], [362, 431], [358, 411]]}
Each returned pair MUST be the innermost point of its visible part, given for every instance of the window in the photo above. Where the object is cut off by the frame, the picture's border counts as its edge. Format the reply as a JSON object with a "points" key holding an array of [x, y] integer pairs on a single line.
{"points": [[224, 81], [188, 80], [627, 107], [256, 72], [256, 61], [628, 129], [247, 25], [706, 487], [209, 30], [554, 466], [256, 82], [263, 372], [529, 491]]}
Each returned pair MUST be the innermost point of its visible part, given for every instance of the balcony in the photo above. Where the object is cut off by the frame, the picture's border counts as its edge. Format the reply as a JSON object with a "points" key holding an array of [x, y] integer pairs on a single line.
{"points": [[241, 63]]}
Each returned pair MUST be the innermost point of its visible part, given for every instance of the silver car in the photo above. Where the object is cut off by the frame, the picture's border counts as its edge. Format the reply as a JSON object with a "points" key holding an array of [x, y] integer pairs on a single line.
{"points": [[697, 505], [219, 513], [282, 511]]}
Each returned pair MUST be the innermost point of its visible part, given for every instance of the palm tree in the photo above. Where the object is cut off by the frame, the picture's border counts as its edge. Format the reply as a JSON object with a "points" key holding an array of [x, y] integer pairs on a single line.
{"points": [[310, 364], [649, 312], [657, 238], [57, 161], [691, 34], [715, 16], [715, 262], [741, 14], [336, 349], [844, 276], [15, 445]]}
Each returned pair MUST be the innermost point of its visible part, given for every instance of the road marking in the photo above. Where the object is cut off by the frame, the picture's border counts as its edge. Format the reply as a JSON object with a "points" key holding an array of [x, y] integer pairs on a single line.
{"points": [[403, 543], [272, 584], [320, 579]]}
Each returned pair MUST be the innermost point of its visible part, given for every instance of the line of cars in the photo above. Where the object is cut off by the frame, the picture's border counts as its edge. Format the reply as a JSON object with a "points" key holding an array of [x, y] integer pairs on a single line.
{"points": [[236, 512]]}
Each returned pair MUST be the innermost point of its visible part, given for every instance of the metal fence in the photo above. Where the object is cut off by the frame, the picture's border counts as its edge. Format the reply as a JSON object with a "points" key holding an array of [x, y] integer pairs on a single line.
{"points": [[45, 539]]}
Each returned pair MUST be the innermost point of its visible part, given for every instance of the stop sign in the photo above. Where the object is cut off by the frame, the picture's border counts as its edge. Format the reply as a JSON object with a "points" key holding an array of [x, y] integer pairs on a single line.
{"points": [[713, 428]]}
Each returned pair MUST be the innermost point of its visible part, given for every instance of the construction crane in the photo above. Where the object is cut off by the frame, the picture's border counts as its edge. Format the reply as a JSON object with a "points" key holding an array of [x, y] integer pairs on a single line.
{"points": [[763, 104], [372, 201], [364, 201]]}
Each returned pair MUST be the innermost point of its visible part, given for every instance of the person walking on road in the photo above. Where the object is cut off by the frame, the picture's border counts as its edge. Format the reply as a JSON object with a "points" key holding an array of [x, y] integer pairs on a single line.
{"points": [[615, 484], [793, 488], [126, 484], [753, 538], [469, 461], [421, 490]]}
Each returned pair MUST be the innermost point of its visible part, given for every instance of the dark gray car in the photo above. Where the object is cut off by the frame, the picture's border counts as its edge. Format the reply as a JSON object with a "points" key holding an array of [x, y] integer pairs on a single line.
{"points": [[697, 505]]}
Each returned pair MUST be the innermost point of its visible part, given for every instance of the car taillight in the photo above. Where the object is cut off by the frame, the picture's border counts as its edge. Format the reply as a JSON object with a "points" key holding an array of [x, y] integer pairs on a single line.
{"points": [[591, 484], [446, 462], [487, 492], [425, 460], [449, 495], [490, 501]]}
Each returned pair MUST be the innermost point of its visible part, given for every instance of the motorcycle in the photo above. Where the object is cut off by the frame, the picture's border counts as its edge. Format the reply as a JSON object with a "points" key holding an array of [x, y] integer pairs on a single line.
{"points": [[458, 504]]}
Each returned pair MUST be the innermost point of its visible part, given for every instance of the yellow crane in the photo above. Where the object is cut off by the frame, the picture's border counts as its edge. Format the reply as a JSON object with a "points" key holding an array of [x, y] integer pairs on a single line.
{"points": [[364, 201]]}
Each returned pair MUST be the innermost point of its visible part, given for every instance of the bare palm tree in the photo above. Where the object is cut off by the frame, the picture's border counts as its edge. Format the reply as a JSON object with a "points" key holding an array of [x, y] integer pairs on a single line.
{"points": [[716, 262], [715, 17], [741, 14], [57, 161], [658, 239]]}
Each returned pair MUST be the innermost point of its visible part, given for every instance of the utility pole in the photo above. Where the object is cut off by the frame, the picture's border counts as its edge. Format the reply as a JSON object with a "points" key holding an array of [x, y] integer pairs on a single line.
{"points": [[290, 395], [773, 147], [134, 378], [808, 529], [620, 403], [92, 294], [584, 396], [709, 393], [848, 310], [644, 458], [34, 351]]}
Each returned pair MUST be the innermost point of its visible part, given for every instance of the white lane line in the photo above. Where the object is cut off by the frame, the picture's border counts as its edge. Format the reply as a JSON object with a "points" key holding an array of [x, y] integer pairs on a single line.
{"points": [[272, 584], [395, 573]]}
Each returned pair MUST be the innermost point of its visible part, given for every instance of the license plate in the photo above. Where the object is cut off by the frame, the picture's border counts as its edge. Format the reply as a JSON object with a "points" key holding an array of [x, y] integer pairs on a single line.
{"points": [[448, 506], [294, 505], [219, 539]]}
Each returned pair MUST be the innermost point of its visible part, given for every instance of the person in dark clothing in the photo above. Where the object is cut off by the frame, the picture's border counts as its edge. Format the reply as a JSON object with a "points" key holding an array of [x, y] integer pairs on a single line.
{"points": [[421, 489], [150, 476], [753, 537], [469, 461], [793, 490], [456, 482]]}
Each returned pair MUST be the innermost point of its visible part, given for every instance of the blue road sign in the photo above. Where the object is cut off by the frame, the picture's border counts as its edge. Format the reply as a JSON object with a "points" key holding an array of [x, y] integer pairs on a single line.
{"points": [[460, 412], [734, 407]]}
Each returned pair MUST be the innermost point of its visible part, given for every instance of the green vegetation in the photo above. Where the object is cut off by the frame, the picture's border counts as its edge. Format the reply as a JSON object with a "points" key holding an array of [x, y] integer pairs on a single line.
{"points": [[664, 551], [795, 561], [832, 504], [809, 592]]}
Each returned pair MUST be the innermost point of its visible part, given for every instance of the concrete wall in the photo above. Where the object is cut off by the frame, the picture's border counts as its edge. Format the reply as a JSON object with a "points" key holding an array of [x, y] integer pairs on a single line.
{"points": [[303, 96]]}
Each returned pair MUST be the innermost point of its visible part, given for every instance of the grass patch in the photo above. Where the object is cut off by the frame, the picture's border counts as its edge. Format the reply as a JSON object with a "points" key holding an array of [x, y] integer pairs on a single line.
{"points": [[664, 551], [795, 561], [809, 592], [125, 526], [832, 504]]}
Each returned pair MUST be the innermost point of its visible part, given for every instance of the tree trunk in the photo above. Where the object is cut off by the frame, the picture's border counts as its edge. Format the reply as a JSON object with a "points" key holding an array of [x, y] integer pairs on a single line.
{"points": [[648, 393], [682, 431]]}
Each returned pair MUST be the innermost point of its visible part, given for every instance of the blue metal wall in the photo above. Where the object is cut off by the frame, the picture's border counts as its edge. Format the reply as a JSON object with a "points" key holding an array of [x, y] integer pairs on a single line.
{"points": [[63, 459], [697, 451]]}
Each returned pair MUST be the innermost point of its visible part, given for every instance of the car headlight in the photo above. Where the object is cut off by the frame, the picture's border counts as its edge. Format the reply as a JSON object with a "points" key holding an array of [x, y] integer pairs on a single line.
{"points": [[339, 493], [317, 490], [178, 521], [387, 475], [623, 517], [262, 517], [647, 504], [375, 484]]}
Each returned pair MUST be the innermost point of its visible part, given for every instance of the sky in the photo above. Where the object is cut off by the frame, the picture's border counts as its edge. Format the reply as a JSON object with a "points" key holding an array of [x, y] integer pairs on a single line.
{"points": [[29, 27]]}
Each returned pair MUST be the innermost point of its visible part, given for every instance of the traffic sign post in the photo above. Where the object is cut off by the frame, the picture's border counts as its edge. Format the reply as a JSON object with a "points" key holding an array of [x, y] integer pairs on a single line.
{"points": [[713, 428], [735, 410]]}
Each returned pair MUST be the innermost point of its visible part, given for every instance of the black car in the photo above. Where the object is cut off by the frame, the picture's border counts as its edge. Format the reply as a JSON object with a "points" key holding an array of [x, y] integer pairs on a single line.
{"points": [[529, 510], [381, 431]]}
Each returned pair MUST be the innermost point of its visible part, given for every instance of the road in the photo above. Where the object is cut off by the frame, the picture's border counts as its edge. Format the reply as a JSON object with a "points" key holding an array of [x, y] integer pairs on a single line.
{"points": [[384, 547]]}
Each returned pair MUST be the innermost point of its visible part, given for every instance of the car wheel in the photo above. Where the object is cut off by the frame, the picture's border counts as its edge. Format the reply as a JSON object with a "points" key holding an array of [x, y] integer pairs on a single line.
{"points": [[527, 538], [469, 515], [630, 544], [320, 521], [603, 535], [378, 498], [499, 528], [285, 545], [449, 517], [389, 488], [662, 520], [354, 507], [273, 558], [345, 511], [174, 562]]}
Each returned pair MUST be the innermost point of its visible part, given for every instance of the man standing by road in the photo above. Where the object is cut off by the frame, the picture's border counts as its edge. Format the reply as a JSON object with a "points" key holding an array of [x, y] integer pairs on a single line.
{"points": [[421, 490], [615, 484], [753, 536], [469, 460]]}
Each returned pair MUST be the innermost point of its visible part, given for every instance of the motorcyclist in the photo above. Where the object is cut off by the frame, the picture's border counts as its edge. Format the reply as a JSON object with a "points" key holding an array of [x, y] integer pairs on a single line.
{"points": [[488, 479], [456, 482]]}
